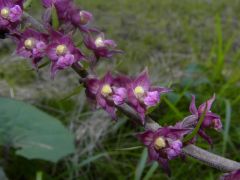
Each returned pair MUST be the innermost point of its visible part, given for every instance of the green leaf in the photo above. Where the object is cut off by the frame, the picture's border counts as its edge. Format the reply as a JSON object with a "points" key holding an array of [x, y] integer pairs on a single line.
{"points": [[227, 125], [151, 171], [44, 64], [76, 91], [35, 134], [220, 55], [92, 159], [55, 21], [39, 175], [27, 4], [173, 108], [141, 165], [196, 129], [129, 149], [153, 108]]}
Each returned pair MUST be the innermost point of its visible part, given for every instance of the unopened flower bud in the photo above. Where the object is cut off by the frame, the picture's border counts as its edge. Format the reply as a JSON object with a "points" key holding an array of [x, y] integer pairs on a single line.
{"points": [[85, 17]]}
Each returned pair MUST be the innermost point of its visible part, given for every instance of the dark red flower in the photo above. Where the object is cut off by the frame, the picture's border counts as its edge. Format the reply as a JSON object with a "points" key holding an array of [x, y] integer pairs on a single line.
{"points": [[11, 12], [100, 46], [211, 120], [62, 52], [106, 93], [32, 44], [63, 8], [141, 95], [163, 144]]}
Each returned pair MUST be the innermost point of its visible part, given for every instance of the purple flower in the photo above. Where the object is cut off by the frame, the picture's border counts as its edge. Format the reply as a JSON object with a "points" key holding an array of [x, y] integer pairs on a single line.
{"points": [[32, 44], [163, 144], [119, 95], [10, 13], [106, 93], [62, 52], [72, 16], [100, 46], [235, 175], [63, 8], [211, 120], [60, 4], [141, 95]]}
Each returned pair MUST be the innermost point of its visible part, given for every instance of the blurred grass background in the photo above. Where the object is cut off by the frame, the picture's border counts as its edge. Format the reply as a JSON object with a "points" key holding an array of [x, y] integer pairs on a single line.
{"points": [[192, 45]]}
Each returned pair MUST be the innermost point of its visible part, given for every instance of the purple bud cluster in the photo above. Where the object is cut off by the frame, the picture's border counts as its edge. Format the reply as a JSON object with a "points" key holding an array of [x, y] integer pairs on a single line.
{"points": [[110, 91]]}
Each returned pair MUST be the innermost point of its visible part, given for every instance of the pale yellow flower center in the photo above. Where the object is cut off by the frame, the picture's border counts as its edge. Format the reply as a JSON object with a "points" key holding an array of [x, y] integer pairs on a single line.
{"points": [[29, 43], [159, 143], [139, 91], [5, 12], [61, 49], [99, 42], [106, 90]]}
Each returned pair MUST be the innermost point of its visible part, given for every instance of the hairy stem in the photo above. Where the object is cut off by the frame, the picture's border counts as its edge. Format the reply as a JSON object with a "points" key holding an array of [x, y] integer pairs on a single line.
{"points": [[208, 158]]}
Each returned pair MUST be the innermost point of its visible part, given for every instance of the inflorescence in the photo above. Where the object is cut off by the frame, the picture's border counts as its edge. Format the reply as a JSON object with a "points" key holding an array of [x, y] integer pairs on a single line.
{"points": [[110, 91]]}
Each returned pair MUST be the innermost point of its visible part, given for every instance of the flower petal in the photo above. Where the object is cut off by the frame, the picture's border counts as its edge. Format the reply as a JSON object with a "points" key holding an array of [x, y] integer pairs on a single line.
{"points": [[192, 107], [152, 98], [212, 120], [205, 136], [142, 80], [119, 96], [146, 138], [209, 105]]}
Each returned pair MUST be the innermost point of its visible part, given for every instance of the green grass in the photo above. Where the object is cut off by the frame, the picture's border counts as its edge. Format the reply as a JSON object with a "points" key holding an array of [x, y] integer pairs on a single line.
{"points": [[193, 45]]}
